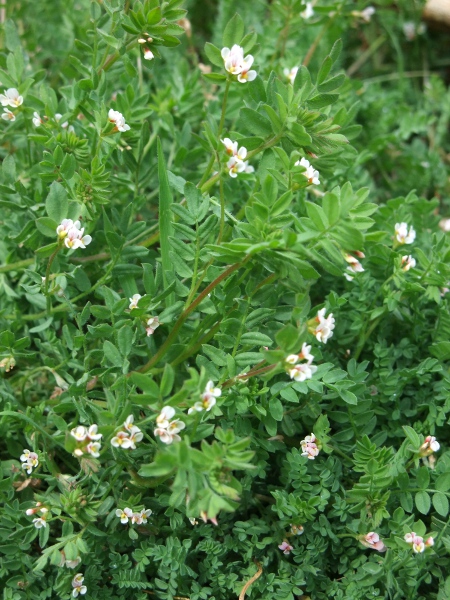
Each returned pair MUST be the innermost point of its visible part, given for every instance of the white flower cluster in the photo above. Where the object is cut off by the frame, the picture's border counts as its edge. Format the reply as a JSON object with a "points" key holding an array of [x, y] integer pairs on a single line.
{"points": [[208, 399], [417, 542], [73, 234], [41, 521], [301, 371], [236, 64], [322, 326], [354, 265], [372, 540], [78, 588], [30, 460], [237, 163], [148, 54], [118, 119], [128, 438], [168, 430], [309, 447], [311, 174], [127, 514], [88, 440], [12, 98]]}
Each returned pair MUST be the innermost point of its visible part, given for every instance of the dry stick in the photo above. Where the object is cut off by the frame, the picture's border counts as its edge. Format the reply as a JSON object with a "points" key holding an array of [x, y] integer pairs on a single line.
{"points": [[256, 576], [175, 597]]}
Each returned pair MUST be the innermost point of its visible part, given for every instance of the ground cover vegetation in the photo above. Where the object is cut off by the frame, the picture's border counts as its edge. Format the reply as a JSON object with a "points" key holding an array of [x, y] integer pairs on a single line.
{"points": [[224, 326]]}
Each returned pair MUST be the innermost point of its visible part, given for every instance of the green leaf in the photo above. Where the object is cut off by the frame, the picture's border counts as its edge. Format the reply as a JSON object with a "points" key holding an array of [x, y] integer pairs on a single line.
{"points": [[56, 203], [276, 409], [255, 338], [440, 503], [214, 55], [112, 354], [234, 31], [46, 226], [165, 219], [423, 502], [125, 340], [412, 436], [254, 122], [167, 380], [324, 70]]}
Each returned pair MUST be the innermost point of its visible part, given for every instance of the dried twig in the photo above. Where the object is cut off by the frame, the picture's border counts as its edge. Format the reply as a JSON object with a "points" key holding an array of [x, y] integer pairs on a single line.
{"points": [[251, 580]]}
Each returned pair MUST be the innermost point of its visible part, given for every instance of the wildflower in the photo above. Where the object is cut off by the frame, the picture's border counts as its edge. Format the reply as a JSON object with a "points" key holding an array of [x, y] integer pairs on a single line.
{"points": [[208, 398], [65, 226], [78, 587], [411, 30], [248, 168], [235, 166], [308, 12], [79, 433], [170, 435], [148, 54], [141, 517], [292, 359], [11, 97], [193, 521], [366, 14], [134, 301], [309, 447], [290, 74], [124, 515], [136, 435], [311, 174], [92, 433], [128, 425], [152, 324], [408, 262], [142, 41], [70, 564], [58, 119], [372, 540], [8, 115], [37, 508], [416, 541], [444, 224], [30, 460], [7, 363], [302, 372], [285, 547], [403, 235], [230, 146], [36, 119], [429, 542], [324, 329], [118, 119], [429, 446], [297, 529], [236, 64], [162, 420], [40, 522], [121, 440], [204, 517], [246, 74], [75, 239], [93, 449]]}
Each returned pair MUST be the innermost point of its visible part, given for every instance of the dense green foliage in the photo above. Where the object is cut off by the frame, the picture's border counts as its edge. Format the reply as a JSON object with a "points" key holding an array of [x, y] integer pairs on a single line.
{"points": [[231, 272]]}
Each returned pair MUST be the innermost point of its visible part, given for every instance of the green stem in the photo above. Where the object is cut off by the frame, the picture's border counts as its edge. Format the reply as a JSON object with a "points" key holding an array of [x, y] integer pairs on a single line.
{"points": [[19, 265], [222, 212], [47, 277], [224, 107]]}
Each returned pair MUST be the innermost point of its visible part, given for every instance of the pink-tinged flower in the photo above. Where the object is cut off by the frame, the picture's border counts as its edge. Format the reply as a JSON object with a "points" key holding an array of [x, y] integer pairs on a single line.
{"points": [[30, 460], [325, 326], [231, 147], [309, 447], [408, 262], [372, 540], [308, 12], [121, 440], [403, 235], [235, 166], [8, 115], [78, 587], [429, 446], [170, 435], [75, 238], [118, 119], [418, 545], [246, 74], [70, 564], [36, 120], [148, 54], [297, 529], [311, 174], [93, 448], [162, 420], [302, 372], [134, 301], [429, 542], [291, 74], [11, 97], [152, 324], [66, 225], [124, 515], [410, 537], [79, 433], [208, 398], [40, 522], [233, 59], [285, 547], [205, 518], [141, 517]]}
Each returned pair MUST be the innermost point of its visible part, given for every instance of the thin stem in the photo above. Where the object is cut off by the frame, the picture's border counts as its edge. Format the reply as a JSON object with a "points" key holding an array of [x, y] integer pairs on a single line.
{"points": [[222, 212], [224, 107], [47, 277]]}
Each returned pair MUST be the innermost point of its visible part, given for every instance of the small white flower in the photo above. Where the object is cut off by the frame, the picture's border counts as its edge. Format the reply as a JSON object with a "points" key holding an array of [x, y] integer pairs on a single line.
{"points": [[142, 41], [248, 168], [118, 119], [309, 447], [409, 537], [408, 262], [40, 522], [141, 517], [58, 119], [37, 121], [324, 330], [7, 115], [232, 147], [291, 74], [411, 30], [152, 324], [210, 390], [124, 514], [308, 12], [372, 540], [78, 587], [128, 425], [75, 239], [246, 74], [444, 224], [162, 420], [11, 97], [71, 564], [79, 433], [134, 301], [121, 440], [302, 372], [297, 529], [136, 436], [233, 59], [311, 174], [367, 13], [235, 166], [92, 433], [93, 449], [170, 435], [418, 545], [430, 445], [148, 54], [305, 353], [66, 225], [292, 359], [30, 460], [403, 235]]}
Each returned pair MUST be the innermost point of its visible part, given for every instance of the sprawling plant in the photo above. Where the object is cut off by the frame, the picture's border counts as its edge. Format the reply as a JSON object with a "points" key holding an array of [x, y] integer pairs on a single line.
{"points": [[224, 317]]}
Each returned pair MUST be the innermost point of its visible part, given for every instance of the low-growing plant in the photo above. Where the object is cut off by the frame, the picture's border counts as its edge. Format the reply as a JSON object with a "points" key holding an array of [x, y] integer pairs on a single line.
{"points": [[224, 302]]}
